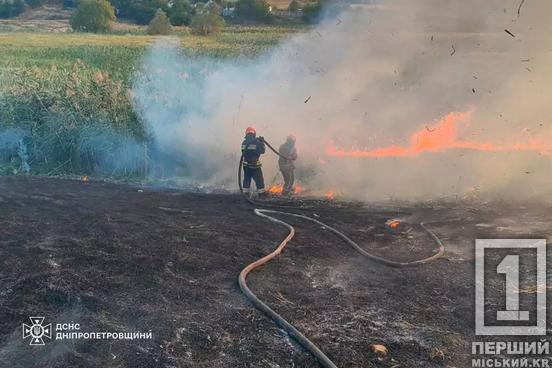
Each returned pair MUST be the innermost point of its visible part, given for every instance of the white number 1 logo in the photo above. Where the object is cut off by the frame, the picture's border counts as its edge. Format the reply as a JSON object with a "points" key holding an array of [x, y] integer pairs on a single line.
{"points": [[512, 317], [510, 267]]}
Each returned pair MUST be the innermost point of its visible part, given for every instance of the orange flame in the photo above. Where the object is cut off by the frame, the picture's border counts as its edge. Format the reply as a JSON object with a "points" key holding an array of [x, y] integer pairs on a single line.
{"points": [[330, 195], [440, 137], [85, 178], [277, 189], [393, 224]]}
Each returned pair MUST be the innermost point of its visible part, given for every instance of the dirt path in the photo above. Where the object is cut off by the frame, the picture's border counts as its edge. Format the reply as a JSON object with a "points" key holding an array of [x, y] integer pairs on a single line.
{"points": [[118, 258]]}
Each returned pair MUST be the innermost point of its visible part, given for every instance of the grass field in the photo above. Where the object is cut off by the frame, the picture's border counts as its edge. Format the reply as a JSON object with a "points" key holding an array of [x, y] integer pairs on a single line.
{"points": [[118, 53], [232, 41], [60, 91]]}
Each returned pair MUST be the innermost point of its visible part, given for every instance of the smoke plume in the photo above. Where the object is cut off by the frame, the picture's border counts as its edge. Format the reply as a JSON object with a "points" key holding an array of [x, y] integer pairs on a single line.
{"points": [[376, 76]]}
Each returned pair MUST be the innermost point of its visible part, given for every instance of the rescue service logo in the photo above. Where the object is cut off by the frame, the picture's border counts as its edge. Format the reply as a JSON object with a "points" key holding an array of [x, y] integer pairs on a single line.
{"points": [[37, 331], [510, 300]]}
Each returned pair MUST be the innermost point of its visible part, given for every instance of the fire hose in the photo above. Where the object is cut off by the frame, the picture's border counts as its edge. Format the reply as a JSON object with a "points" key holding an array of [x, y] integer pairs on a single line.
{"points": [[262, 306]]}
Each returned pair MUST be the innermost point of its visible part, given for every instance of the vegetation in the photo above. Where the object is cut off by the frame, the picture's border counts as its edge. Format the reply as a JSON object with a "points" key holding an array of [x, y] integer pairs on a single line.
{"points": [[141, 11], [312, 12], [66, 100], [180, 13], [160, 24], [9, 8], [36, 3], [294, 6], [93, 16], [12, 8], [68, 112], [254, 10], [208, 20]]}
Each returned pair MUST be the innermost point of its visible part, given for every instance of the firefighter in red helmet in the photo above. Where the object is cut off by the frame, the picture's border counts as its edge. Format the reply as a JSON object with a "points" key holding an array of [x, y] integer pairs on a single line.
{"points": [[252, 148]]}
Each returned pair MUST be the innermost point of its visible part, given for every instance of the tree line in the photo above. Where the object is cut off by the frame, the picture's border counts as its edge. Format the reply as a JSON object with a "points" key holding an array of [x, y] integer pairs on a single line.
{"points": [[179, 12]]}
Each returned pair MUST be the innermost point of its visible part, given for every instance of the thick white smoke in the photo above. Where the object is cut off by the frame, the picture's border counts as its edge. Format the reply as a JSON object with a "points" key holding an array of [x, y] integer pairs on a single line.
{"points": [[368, 78]]}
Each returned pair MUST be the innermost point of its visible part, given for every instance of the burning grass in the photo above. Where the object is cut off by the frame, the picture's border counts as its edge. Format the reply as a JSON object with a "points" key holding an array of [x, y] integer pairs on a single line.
{"points": [[303, 191], [277, 189], [442, 136]]}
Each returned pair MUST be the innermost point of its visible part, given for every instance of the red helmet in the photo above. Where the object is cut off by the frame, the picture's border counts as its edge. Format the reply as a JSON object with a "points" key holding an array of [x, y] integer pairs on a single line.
{"points": [[250, 130]]}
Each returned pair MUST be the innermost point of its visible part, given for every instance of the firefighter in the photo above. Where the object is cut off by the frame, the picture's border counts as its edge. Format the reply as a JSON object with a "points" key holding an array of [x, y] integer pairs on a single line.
{"points": [[252, 148], [288, 154]]}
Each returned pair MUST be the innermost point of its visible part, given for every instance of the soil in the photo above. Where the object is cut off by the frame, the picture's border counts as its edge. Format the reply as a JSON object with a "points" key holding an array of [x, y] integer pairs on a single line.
{"points": [[121, 258]]}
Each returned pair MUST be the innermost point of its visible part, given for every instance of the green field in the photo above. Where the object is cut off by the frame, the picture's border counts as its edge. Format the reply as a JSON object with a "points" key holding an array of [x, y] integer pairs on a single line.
{"points": [[60, 91], [40, 49]]}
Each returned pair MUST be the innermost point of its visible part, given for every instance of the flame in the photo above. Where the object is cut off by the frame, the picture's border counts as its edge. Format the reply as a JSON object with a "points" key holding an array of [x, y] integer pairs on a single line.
{"points": [[277, 189], [440, 137], [393, 224], [85, 178]]}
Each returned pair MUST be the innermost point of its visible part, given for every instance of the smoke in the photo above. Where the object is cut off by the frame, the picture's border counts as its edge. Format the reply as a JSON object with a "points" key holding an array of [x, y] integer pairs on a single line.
{"points": [[372, 76], [13, 145], [100, 149]]}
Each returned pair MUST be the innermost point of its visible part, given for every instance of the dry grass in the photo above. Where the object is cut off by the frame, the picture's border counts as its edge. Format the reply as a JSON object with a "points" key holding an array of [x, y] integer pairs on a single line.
{"points": [[47, 40]]}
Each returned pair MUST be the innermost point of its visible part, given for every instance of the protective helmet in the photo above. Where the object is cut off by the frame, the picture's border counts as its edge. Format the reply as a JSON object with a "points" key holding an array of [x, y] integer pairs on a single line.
{"points": [[291, 138], [250, 130]]}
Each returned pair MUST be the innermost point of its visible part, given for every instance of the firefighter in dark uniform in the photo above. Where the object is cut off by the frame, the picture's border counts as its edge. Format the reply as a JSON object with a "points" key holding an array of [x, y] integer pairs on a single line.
{"points": [[252, 148], [288, 154]]}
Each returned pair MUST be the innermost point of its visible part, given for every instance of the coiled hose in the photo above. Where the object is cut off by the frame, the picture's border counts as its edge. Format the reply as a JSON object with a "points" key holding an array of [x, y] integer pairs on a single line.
{"points": [[262, 306]]}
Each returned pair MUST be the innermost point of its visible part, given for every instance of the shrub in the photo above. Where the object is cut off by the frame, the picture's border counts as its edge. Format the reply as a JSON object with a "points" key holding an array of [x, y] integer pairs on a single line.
{"points": [[18, 7], [160, 24], [36, 3], [143, 11], [122, 7], [294, 6], [208, 20], [180, 13], [9, 8], [93, 16], [254, 10], [312, 12]]}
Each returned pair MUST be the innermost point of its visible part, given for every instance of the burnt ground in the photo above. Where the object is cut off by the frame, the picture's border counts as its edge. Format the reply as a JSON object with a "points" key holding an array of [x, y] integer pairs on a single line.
{"points": [[119, 258]]}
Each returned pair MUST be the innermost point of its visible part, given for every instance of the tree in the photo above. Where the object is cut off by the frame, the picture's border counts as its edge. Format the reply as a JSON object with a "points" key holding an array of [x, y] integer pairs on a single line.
{"points": [[122, 7], [35, 3], [143, 11], [254, 10], [9, 8], [208, 20], [5, 9], [160, 24], [312, 12], [18, 7], [180, 13], [93, 16], [294, 6]]}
